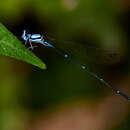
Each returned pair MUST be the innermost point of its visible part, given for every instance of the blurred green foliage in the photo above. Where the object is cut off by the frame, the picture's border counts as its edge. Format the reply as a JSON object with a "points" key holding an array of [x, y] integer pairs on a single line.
{"points": [[10, 46], [25, 89]]}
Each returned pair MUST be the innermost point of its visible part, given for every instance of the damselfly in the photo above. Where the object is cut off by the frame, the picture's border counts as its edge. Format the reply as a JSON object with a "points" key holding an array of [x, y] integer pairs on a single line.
{"points": [[39, 39]]}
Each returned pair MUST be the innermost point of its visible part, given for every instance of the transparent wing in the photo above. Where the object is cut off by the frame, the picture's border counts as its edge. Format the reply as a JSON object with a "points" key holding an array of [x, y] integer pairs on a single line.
{"points": [[85, 53]]}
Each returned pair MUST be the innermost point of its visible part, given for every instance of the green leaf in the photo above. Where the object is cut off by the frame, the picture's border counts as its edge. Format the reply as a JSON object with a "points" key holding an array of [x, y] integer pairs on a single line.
{"points": [[11, 46]]}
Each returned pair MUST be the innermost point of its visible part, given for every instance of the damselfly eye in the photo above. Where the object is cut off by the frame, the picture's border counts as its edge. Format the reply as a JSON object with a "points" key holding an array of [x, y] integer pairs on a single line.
{"points": [[26, 31], [25, 38]]}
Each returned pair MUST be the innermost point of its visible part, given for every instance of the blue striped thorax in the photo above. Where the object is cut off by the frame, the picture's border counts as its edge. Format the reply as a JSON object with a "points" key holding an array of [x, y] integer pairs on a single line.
{"points": [[36, 36]]}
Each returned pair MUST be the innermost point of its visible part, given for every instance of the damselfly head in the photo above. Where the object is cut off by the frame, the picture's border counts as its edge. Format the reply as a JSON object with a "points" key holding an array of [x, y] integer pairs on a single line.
{"points": [[24, 35]]}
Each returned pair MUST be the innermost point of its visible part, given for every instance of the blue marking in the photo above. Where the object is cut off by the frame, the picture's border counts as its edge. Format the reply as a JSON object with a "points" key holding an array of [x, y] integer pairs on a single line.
{"points": [[101, 79], [49, 45], [35, 36], [118, 92], [83, 67], [26, 38], [66, 56]]}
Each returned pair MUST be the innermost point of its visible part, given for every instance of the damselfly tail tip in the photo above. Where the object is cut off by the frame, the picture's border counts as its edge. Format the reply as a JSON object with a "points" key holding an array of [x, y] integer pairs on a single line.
{"points": [[118, 91]]}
